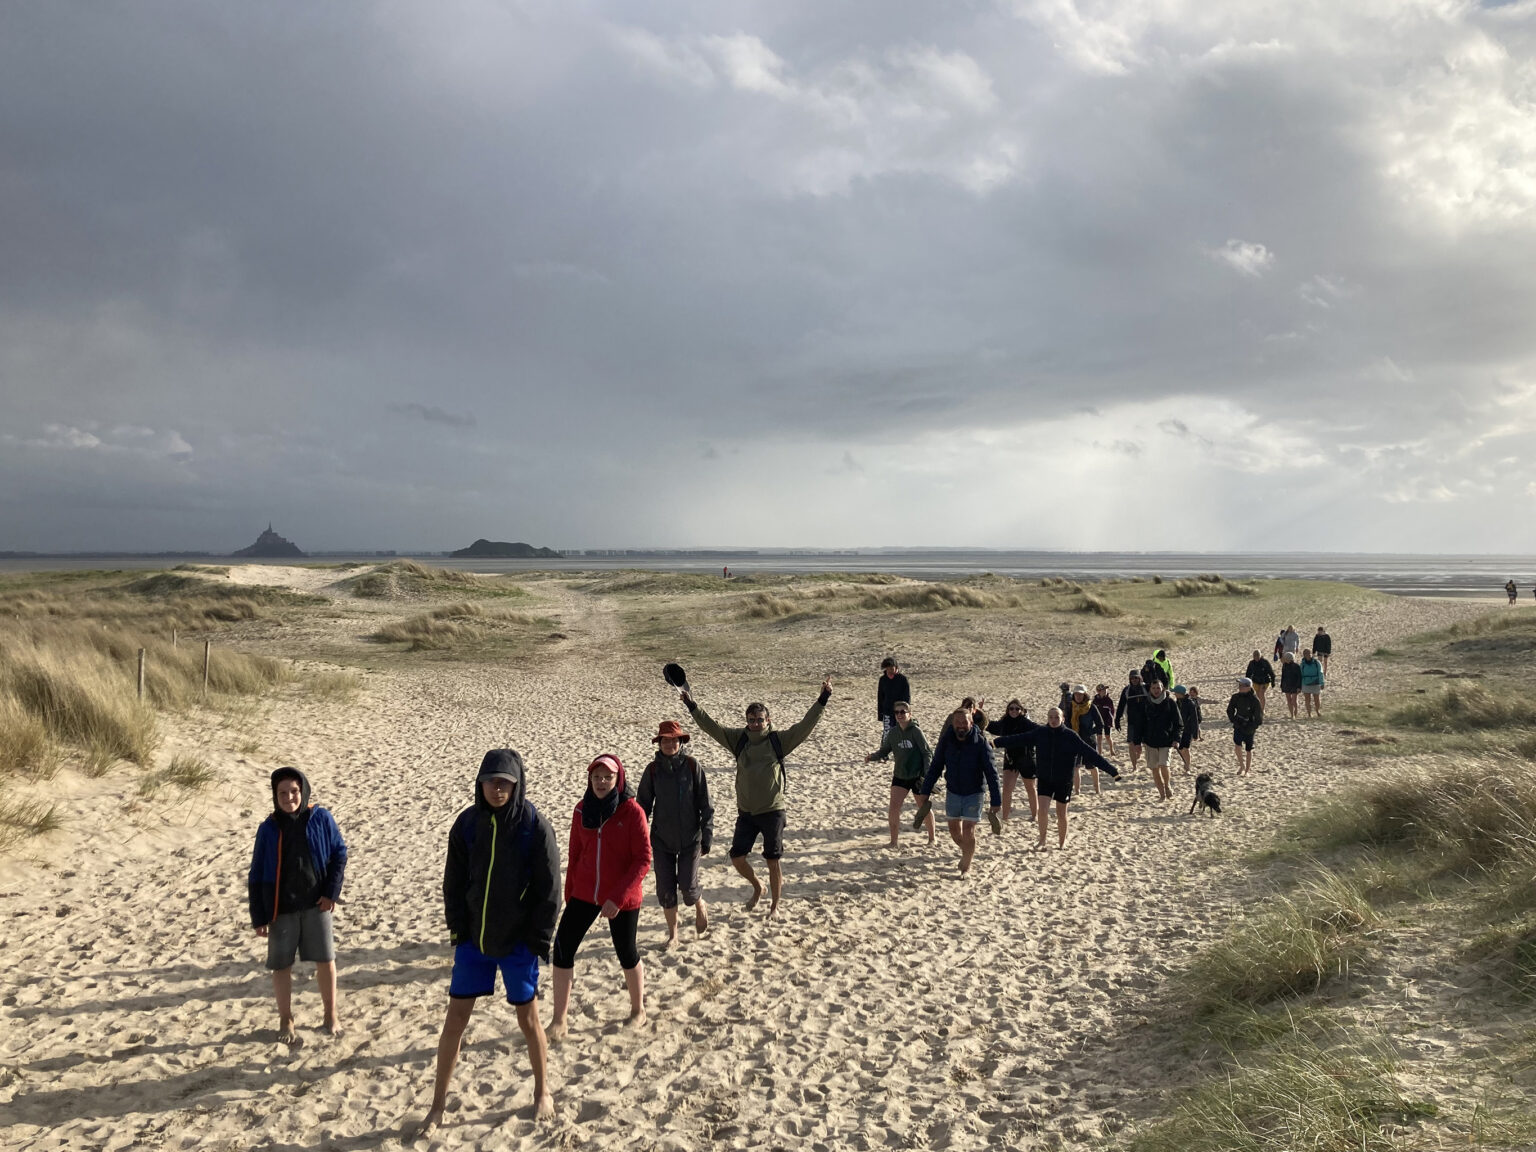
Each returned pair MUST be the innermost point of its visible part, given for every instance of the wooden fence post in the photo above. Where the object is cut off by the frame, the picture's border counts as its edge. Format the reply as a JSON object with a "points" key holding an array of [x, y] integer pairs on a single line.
{"points": [[207, 655], [141, 673]]}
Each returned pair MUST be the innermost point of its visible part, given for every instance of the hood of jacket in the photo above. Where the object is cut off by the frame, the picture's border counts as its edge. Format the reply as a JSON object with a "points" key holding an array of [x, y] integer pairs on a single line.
{"points": [[508, 763], [596, 811]]}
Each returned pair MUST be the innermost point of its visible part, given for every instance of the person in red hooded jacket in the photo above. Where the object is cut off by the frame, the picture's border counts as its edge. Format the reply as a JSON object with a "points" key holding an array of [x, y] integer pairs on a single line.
{"points": [[610, 854]]}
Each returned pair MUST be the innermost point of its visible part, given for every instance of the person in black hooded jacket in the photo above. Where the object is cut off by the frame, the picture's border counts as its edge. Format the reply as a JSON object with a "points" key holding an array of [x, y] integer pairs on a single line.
{"points": [[501, 895]]}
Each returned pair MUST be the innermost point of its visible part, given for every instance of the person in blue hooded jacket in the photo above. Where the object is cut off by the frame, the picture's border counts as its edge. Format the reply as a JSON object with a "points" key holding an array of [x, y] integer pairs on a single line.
{"points": [[294, 883]]}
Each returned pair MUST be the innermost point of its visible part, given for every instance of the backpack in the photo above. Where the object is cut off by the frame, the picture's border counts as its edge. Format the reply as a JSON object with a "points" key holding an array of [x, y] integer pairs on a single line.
{"points": [[778, 753]]}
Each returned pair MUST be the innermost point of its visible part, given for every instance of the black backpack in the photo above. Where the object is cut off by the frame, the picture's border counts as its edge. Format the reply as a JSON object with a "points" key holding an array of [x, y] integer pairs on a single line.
{"points": [[778, 753]]}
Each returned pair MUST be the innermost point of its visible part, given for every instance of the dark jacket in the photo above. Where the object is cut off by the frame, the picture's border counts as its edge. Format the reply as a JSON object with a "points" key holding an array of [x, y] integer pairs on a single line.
{"points": [[1260, 671], [1244, 711], [501, 883], [1161, 725], [1057, 751], [1088, 725], [1290, 677], [1189, 717], [1152, 670], [327, 852], [1322, 644], [674, 795], [1132, 697], [891, 690], [966, 764], [1016, 759]]}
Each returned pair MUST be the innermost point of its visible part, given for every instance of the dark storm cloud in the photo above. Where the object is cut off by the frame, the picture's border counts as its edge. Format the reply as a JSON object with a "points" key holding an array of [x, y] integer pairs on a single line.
{"points": [[434, 415], [866, 251]]}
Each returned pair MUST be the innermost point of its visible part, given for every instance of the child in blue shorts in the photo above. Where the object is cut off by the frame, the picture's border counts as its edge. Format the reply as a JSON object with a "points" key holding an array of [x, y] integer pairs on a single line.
{"points": [[501, 894]]}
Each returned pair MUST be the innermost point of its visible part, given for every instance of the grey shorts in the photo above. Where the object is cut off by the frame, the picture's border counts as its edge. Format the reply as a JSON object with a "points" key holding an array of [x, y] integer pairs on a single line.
{"points": [[1157, 757], [1311, 689], [675, 871], [306, 933]]}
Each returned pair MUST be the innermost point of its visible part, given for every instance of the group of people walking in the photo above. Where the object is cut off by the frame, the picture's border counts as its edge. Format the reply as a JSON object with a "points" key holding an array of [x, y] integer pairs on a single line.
{"points": [[503, 901], [506, 908]]}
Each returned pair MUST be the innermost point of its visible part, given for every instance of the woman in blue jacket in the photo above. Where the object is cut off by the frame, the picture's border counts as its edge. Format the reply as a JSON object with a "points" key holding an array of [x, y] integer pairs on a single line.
{"points": [[1312, 683], [294, 883]]}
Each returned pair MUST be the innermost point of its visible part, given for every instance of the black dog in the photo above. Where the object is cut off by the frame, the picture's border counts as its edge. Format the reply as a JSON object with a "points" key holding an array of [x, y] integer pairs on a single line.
{"points": [[1205, 795]]}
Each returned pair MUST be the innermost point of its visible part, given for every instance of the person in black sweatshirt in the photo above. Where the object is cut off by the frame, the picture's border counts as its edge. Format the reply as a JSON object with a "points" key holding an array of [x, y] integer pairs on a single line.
{"points": [[1262, 673], [1246, 714], [501, 896], [1018, 763], [1189, 716], [1161, 727], [891, 689], [1132, 697], [1058, 751]]}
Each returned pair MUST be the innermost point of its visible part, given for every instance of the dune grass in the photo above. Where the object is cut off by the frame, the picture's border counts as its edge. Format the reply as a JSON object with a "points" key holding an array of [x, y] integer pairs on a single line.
{"points": [[1096, 606], [1294, 945], [451, 625], [24, 818], [1467, 707], [185, 772], [1212, 584], [82, 700], [1300, 1095], [409, 580]]}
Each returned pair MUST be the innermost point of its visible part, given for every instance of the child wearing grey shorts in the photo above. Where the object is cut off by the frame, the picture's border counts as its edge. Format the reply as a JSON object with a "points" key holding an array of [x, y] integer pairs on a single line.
{"points": [[296, 874]]}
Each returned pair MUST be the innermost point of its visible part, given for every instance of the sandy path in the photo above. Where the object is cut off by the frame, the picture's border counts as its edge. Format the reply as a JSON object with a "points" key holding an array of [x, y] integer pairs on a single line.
{"points": [[890, 1004]]}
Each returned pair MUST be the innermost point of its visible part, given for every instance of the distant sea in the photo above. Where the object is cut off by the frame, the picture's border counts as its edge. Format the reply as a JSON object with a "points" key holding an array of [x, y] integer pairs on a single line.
{"points": [[1400, 574]]}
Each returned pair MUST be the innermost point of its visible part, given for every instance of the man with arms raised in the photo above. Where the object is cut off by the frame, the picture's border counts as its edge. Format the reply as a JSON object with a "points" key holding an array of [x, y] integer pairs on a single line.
{"points": [[761, 785]]}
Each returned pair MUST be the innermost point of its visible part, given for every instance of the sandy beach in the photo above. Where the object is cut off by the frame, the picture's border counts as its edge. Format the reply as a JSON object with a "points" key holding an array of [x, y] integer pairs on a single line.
{"points": [[889, 1004]]}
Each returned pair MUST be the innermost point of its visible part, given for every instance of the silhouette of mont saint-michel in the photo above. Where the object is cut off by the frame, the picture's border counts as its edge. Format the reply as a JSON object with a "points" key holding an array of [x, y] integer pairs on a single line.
{"points": [[269, 544]]}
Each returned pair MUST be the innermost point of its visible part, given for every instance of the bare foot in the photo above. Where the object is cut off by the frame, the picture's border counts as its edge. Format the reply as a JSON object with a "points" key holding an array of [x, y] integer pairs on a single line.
{"points": [[700, 920], [772, 908], [670, 942], [557, 1031], [636, 1019], [333, 1027], [892, 844], [544, 1107], [757, 894], [286, 1034], [432, 1122]]}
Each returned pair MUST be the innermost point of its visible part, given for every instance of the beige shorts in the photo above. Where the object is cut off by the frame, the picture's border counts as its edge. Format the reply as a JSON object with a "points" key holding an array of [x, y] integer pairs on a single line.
{"points": [[1157, 757]]}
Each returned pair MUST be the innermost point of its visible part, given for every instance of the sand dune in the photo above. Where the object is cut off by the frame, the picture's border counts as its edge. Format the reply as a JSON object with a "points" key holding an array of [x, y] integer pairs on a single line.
{"points": [[890, 1004]]}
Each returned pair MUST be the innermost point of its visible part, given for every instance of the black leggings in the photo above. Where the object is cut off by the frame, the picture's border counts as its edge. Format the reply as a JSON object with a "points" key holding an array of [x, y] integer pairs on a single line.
{"points": [[578, 917]]}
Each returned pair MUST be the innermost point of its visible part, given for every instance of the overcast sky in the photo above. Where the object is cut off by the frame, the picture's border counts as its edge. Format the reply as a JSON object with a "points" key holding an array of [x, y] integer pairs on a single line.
{"points": [[1086, 274]]}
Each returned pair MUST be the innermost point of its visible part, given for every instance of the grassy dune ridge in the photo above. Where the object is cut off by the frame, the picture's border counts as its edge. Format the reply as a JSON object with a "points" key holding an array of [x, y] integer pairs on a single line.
{"points": [[69, 647], [1427, 874]]}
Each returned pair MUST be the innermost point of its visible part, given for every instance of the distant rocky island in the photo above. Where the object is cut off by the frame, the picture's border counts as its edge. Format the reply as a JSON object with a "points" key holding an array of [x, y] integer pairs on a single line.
{"points": [[270, 545], [501, 550]]}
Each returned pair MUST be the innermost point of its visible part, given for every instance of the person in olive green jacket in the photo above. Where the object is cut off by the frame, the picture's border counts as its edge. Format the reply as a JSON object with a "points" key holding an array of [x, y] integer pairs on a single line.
{"points": [[761, 785], [906, 740]]}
